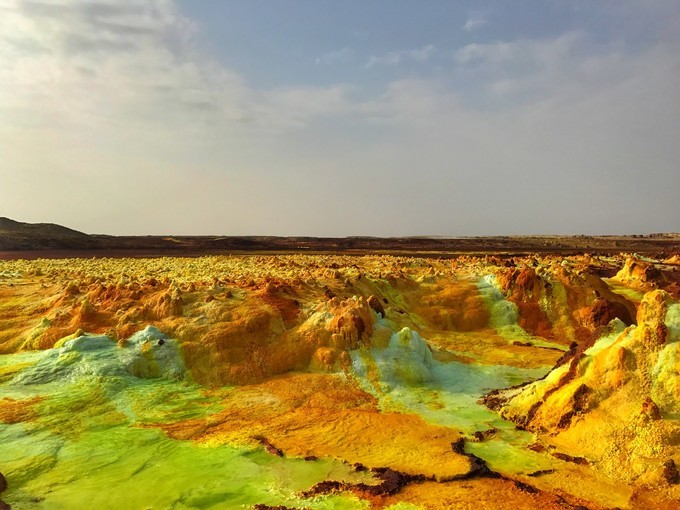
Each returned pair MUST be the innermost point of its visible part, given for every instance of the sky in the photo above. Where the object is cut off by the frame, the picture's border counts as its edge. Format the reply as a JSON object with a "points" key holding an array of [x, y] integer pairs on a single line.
{"points": [[327, 118]]}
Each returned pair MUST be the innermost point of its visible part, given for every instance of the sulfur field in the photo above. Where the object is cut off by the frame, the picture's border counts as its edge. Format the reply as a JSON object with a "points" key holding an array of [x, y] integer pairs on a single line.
{"points": [[348, 382]]}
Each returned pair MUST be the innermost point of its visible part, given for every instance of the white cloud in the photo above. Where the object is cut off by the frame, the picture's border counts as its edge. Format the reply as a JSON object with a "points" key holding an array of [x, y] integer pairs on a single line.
{"points": [[517, 52], [474, 23], [554, 135], [527, 69], [114, 119], [72, 64], [395, 58]]}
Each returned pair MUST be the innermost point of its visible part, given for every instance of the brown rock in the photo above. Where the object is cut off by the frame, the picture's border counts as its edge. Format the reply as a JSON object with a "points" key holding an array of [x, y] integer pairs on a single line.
{"points": [[3, 483], [650, 409], [262, 506], [602, 312], [580, 403], [525, 487], [541, 472], [359, 325], [479, 469], [670, 472], [391, 482], [268, 446], [377, 306], [536, 447], [526, 278], [459, 446], [482, 435], [325, 487], [581, 461], [71, 289], [634, 269]]}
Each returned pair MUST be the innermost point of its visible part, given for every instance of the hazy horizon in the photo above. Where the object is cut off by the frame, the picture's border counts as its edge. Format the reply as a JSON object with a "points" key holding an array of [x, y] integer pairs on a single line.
{"points": [[171, 117], [406, 236]]}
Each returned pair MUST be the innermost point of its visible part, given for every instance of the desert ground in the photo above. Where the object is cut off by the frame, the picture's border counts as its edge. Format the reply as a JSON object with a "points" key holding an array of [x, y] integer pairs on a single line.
{"points": [[540, 380]]}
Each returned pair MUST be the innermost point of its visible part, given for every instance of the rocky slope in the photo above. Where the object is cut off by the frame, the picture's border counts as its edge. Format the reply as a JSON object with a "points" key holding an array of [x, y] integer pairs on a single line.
{"points": [[615, 403], [15, 235]]}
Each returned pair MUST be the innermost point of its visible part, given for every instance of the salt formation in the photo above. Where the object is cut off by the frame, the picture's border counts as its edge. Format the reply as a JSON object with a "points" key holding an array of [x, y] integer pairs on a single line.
{"points": [[624, 387], [340, 382]]}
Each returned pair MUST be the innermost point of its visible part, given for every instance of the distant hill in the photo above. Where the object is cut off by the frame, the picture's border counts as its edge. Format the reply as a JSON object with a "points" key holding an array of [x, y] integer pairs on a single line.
{"points": [[15, 235], [31, 240]]}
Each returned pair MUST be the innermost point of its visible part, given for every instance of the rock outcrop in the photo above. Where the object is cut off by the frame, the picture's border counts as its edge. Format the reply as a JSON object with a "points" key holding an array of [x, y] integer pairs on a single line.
{"points": [[625, 387]]}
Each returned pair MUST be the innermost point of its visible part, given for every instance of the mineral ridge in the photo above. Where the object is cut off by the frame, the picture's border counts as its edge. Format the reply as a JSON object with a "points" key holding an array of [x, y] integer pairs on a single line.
{"points": [[340, 382]]}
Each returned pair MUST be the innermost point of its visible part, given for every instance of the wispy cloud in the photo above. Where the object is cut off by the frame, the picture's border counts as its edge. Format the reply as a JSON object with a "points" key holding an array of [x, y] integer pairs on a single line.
{"points": [[473, 23], [395, 58], [120, 97], [342, 55], [529, 69], [514, 52], [85, 65]]}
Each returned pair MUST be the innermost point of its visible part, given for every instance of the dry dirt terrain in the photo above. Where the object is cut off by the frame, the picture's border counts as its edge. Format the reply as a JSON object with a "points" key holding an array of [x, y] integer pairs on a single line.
{"points": [[46, 240], [340, 381]]}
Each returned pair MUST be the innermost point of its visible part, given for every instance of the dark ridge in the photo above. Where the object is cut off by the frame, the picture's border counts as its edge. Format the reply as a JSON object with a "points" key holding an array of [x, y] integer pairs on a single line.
{"points": [[478, 467], [262, 506], [268, 446], [44, 237], [541, 472], [391, 482], [15, 235], [582, 461]]}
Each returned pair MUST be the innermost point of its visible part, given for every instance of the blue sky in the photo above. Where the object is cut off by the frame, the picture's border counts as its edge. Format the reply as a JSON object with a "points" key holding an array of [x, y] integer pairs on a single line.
{"points": [[370, 43], [341, 118]]}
